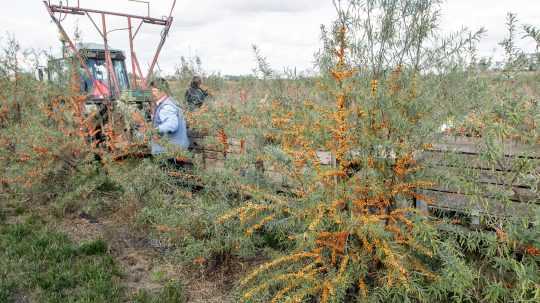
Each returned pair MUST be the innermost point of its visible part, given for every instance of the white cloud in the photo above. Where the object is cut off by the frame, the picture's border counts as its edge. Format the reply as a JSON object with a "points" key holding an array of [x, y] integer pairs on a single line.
{"points": [[221, 32], [490, 14], [261, 6]]}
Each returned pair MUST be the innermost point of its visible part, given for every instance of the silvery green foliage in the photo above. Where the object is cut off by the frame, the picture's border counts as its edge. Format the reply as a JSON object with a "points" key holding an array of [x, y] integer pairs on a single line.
{"points": [[514, 56], [9, 57], [188, 68], [533, 33], [390, 33]]}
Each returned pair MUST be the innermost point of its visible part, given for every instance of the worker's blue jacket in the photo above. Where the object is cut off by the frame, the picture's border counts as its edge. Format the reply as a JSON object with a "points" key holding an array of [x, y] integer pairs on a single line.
{"points": [[171, 125]]}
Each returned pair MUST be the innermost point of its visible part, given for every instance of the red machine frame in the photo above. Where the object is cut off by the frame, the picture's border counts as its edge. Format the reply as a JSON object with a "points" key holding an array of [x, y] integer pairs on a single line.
{"points": [[136, 69]]}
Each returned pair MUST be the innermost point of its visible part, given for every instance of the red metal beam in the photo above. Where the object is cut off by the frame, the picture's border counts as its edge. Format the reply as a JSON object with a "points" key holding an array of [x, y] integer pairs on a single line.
{"points": [[137, 31], [158, 51], [131, 52], [143, 80], [164, 35], [82, 11], [95, 25], [110, 67]]}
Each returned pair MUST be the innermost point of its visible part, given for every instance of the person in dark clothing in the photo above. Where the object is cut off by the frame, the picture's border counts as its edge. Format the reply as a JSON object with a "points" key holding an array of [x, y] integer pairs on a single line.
{"points": [[195, 94]]}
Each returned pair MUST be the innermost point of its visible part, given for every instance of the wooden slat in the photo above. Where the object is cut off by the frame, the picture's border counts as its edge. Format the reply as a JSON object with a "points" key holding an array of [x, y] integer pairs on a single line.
{"points": [[214, 164], [466, 204], [474, 175], [526, 195], [208, 141], [458, 160], [211, 144], [477, 146], [213, 155], [274, 177], [515, 194]]}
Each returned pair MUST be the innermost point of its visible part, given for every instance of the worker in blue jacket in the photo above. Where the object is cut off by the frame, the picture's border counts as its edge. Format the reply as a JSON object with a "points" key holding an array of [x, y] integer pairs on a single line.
{"points": [[168, 118]]}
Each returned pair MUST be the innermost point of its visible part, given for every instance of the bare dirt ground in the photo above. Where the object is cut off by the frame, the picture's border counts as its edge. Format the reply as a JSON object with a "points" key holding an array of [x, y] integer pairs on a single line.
{"points": [[144, 263]]}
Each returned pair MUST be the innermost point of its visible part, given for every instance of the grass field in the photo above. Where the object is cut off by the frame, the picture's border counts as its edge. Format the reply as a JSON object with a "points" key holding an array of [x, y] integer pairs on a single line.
{"points": [[43, 265]]}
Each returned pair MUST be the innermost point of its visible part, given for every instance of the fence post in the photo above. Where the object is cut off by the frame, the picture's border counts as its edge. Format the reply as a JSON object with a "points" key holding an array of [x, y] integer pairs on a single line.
{"points": [[422, 206]]}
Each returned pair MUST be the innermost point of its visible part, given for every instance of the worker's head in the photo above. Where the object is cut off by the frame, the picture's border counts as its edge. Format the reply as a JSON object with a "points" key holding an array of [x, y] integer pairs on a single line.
{"points": [[196, 82], [160, 88]]}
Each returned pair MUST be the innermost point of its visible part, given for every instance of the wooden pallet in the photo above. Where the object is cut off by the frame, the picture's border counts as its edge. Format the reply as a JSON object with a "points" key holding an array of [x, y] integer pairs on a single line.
{"points": [[468, 183]]}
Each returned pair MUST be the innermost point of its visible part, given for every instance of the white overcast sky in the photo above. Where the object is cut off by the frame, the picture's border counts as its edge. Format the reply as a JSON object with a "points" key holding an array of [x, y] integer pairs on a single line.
{"points": [[221, 32]]}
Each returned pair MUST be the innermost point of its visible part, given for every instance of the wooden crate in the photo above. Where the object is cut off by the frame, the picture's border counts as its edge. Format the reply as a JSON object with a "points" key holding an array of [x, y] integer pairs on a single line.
{"points": [[213, 152], [480, 182], [471, 182]]}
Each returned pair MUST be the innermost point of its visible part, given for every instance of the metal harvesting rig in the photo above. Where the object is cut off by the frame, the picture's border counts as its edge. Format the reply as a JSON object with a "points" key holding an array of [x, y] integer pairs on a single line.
{"points": [[95, 71], [100, 63]]}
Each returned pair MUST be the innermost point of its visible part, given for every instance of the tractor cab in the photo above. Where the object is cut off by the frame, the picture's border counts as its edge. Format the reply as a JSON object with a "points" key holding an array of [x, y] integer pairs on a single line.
{"points": [[68, 72], [103, 84]]}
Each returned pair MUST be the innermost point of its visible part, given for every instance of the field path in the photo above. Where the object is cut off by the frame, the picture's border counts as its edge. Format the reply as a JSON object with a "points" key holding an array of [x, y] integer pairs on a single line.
{"points": [[143, 261]]}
